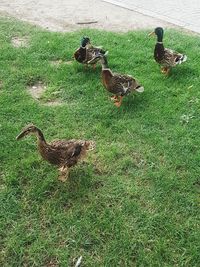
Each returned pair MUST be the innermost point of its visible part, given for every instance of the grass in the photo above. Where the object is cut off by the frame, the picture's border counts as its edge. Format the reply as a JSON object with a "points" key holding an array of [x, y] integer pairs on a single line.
{"points": [[136, 201]]}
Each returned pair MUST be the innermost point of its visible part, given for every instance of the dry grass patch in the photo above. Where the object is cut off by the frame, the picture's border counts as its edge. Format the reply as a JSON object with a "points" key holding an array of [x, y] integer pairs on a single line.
{"points": [[53, 103], [19, 41], [37, 89], [58, 62]]}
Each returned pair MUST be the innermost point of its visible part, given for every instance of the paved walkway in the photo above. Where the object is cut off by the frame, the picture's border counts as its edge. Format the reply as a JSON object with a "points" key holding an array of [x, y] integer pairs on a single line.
{"points": [[70, 15], [184, 13]]}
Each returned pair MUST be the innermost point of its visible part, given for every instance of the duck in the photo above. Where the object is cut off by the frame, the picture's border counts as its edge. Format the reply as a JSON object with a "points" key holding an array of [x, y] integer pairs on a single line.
{"points": [[86, 52], [62, 153], [119, 85], [166, 57]]}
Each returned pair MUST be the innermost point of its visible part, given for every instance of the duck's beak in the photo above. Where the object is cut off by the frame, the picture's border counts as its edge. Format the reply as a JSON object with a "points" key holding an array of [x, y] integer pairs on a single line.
{"points": [[151, 34], [21, 135]]}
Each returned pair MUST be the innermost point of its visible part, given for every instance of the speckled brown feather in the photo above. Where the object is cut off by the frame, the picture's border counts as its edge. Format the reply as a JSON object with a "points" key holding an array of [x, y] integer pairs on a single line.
{"points": [[88, 53], [63, 153], [165, 56], [80, 54], [118, 84]]}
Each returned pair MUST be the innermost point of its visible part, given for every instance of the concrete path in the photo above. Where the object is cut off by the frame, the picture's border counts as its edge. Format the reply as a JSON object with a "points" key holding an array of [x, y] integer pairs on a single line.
{"points": [[69, 15], [184, 13], [112, 15]]}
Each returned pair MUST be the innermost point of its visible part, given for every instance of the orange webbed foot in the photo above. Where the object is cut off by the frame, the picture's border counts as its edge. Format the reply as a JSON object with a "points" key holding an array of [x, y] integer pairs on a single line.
{"points": [[114, 98], [119, 102]]}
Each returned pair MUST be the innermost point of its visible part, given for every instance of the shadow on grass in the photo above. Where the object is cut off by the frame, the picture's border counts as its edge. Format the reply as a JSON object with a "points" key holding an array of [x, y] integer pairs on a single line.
{"points": [[181, 73], [48, 186], [133, 103]]}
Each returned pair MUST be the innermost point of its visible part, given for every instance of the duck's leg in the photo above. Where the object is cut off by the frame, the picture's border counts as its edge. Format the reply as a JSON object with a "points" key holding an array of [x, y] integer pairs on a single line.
{"points": [[119, 102], [162, 69], [114, 98], [165, 70], [64, 173]]}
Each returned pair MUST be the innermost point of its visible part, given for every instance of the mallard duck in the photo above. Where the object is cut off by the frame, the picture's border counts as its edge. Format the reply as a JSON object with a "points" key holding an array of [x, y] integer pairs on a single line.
{"points": [[167, 58], [63, 153], [87, 52], [119, 85]]}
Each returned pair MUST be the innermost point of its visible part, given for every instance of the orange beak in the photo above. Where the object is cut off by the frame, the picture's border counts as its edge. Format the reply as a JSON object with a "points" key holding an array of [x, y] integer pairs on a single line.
{"points": [[151, 34]]}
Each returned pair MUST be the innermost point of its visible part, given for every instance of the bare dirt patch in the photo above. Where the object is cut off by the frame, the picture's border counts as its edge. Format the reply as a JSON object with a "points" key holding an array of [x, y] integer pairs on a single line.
{"points": [[55, 63], [19, 41], [37, 89], [59, 62], [69, 62]]}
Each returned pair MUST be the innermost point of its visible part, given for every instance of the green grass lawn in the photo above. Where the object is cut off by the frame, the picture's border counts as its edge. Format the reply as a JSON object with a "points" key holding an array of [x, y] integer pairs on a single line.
{"points": [[135, 200]]}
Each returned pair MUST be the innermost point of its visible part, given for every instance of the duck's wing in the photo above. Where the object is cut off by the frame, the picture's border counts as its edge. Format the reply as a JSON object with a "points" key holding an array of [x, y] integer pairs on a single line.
{"points": [[173, 58], [122, 83]]}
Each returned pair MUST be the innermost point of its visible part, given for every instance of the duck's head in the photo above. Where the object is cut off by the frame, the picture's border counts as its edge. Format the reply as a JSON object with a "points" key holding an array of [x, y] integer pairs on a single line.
{"points": [[102, 58], [84, 41], [29, 129], [159, 32]]}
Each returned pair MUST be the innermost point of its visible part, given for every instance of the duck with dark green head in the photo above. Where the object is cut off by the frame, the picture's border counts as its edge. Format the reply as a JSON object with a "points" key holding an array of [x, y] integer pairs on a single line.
{"points": [[87, 52], [166, 57], [80, 54]]}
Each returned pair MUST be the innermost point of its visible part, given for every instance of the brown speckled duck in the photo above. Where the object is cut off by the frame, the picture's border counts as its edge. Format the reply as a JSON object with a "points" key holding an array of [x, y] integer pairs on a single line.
{"points": [[62, 153], [119, 85], [86, 53], [166, 57]]}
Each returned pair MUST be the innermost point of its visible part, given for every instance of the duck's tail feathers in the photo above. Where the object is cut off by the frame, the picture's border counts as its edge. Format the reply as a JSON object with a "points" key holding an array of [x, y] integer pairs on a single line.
{"points": [[182, 59], [139, 89], [90, 145]]}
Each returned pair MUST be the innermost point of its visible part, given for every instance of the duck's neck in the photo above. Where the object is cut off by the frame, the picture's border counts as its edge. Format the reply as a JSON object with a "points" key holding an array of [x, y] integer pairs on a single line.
{"points": [[106, 77], [104, 64], [159, 51], [82, 52], [107, 72], [160, 37], [40, 136]]}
